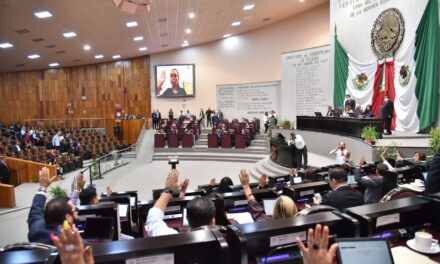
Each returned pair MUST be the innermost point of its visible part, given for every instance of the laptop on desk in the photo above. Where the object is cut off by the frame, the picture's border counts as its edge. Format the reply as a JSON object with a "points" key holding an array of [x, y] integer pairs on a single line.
{"points": [[351, 180], [98, 229], [318, 114], [364, 251]]}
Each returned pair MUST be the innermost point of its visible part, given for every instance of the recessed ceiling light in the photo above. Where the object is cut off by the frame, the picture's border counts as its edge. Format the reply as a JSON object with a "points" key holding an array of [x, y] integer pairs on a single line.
{"points": [[301, 1], [69, 34], [227, 35], [87, 47], [54, 64], [99, 56], [143, 48], [43, 14], [116, 56], [6, 45], [188, 30], [191, 15], [236, 23], [138, 38], [248, 7], [131, 24], [185, 44], [33, 56]]}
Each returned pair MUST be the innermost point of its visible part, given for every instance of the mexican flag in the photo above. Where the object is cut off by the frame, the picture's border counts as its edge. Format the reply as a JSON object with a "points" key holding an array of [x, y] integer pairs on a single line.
{"points": [[410, 79]]}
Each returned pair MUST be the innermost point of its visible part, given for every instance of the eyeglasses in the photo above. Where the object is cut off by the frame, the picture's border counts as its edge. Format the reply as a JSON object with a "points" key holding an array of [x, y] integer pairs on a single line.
{"points": [[173, 75]]}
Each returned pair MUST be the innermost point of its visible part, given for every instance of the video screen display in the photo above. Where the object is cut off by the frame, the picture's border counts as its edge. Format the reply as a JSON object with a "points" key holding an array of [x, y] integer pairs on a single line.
{"points": [[176, 80]]}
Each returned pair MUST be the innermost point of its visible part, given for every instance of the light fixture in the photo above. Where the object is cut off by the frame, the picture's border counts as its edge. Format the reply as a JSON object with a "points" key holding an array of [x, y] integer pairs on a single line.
{"points": [[54, 64], [188, 31], [227, 35], [69, 34], [131, 24], [301, 1], [138, 38], [191, 15], [43, 14], [142, 48], [248, 7], [6, 45], [33, 56], [236, 23], [116, 56], [87, 47], [185, 44], [99, 56]]}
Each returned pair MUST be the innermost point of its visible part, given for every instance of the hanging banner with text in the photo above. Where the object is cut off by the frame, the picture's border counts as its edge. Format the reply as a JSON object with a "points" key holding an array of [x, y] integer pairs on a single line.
{"points": [[248, 100], [305, 81]]}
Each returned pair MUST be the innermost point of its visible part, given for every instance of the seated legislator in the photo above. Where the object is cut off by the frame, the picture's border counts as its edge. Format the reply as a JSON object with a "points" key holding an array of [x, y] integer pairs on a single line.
{"points": [[284, 206], [342, 196], [200, 210], [44, 221], [373, 184], [368, 113], [432, 183]]}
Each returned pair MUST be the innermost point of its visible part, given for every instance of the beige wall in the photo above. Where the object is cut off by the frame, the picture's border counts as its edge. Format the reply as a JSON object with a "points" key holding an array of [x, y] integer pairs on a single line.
{"points": [[251, 57]]}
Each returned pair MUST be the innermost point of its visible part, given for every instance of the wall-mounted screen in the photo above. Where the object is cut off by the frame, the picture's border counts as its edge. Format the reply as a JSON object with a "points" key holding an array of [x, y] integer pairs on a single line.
{"points": [[176, 80]]}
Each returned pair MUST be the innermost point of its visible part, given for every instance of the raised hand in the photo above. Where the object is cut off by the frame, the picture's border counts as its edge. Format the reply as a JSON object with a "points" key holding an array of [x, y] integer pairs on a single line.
{"points": [[317, 251], [44, 178]]}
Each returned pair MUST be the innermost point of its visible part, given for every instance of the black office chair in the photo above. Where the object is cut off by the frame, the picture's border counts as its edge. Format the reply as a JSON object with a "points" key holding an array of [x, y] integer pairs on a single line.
{"points": [[317, 209], [398, 193]]}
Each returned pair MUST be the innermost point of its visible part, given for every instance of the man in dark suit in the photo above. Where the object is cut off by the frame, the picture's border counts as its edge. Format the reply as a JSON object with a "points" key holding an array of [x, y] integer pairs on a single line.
{"points": [[432, 183], [342, 196], [350, 102], [387, 113], [44, 221], [4, 171]]}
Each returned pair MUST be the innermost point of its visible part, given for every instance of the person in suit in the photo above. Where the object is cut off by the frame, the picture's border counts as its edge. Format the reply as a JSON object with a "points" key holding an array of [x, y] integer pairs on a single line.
{"points": [[154, 119], [330, 111], [349, 102], [432, 183], [159, 118], [4, 171], [387, 113], [45, 221], [342, 196]]}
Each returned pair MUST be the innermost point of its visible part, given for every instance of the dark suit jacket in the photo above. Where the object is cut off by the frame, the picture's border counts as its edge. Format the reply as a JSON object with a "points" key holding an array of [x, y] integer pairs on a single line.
{"points": [[387, 109], [38, 232], [432, 183], [343, 197], [351, 103], [4, 172]]}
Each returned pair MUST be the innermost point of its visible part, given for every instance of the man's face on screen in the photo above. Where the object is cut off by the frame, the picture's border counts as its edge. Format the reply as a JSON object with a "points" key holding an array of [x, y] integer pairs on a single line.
{"points": [[174, 78]]}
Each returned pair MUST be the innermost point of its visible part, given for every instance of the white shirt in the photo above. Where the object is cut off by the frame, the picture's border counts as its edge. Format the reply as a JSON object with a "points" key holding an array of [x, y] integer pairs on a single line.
{"points": [[265, 119], [340, 155], [56, 140], [155, 225]]}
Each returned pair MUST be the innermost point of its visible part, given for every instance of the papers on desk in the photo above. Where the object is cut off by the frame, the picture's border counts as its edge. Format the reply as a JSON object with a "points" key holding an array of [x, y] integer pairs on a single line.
{"points": [[241, 218], [160, 259], [404, 255], [414, 187]]}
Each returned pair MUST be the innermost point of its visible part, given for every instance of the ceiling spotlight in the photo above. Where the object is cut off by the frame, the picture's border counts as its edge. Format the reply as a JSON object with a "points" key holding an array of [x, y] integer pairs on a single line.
{"points": [[185, 44], [43, 14], [54, 64], [188, 30], [191, 15], [6, 45], [131, 24], [138, 38], [33, 56], [116, 56], [69, 34], [301, 1], [87, 47], [227, 35], [99, 56], [236, 23], [142, 48], [248, 7]]}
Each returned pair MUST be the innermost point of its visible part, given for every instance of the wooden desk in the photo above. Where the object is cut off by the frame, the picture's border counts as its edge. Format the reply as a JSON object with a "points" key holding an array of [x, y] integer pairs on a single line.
{"points": [[343, 125]]}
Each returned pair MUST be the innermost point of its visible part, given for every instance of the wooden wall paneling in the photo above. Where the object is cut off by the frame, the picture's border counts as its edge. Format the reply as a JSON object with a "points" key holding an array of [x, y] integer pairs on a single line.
{"points": [[45, 94]]}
